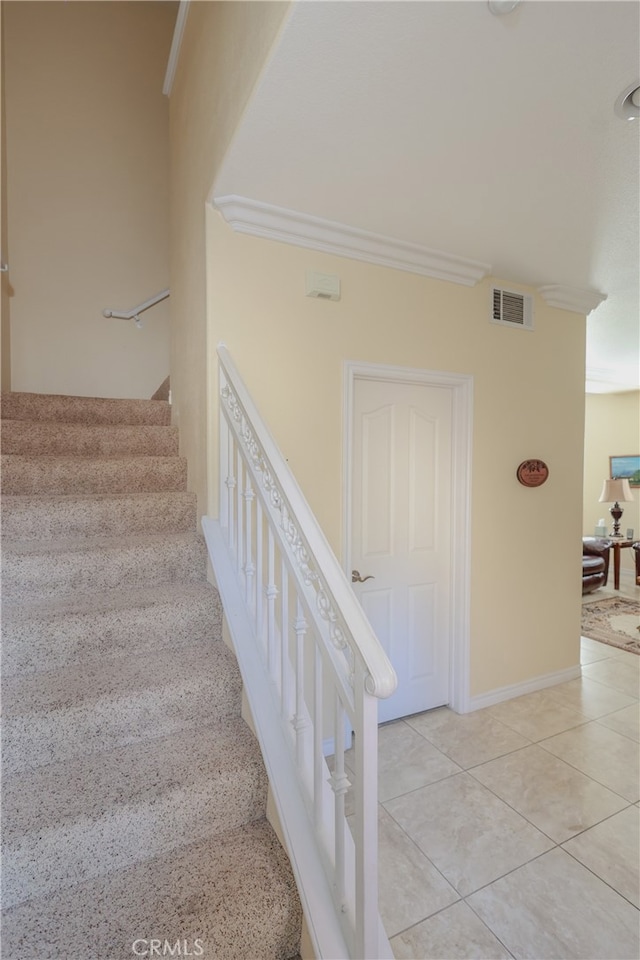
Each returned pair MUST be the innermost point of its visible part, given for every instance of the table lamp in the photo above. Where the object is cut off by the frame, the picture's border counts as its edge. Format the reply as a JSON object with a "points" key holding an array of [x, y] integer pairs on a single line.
{"points": [[614, 491]]}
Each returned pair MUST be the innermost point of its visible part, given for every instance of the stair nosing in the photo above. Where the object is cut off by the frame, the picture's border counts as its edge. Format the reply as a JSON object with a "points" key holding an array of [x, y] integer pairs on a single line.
{"points": [[230, 731], [86, 603], [58, 545], [96, 676], [84, 457]]}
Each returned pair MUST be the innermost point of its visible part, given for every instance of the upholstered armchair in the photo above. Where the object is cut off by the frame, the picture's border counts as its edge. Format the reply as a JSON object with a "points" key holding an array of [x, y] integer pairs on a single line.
{"points": [[595, 563]]}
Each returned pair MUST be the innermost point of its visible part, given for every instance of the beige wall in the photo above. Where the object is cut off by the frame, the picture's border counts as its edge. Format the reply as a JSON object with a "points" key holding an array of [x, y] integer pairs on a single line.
{"points": [[223, 49], [88, 179], [529, 388], [528, 402], [5, 328], [612, 428]]}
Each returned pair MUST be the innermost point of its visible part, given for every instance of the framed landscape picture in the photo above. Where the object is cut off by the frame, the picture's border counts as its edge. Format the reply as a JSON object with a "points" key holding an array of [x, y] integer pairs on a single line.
{"points": [[626, 468]]}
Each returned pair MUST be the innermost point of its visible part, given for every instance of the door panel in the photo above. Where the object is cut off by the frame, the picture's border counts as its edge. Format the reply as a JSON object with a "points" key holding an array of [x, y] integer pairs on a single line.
{"points": [[421, 623], [422, 456], [377, 454], [401, 523], [378, 606]]}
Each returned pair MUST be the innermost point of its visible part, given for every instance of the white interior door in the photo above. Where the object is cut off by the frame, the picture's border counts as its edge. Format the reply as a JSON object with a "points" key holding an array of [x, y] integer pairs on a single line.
{"points": [[401, 532]]}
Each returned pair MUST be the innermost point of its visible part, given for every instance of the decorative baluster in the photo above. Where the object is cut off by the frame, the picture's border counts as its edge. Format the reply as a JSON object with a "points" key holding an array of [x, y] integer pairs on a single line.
{"points": [[272, 593], [239, 513], [259, 620], [319, 765], [300, 723], [285, 681], [223, 465], [249, 566], [230, 484], [339, 784]]}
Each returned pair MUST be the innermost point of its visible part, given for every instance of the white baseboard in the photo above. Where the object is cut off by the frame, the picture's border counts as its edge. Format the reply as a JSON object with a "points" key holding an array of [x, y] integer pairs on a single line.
{"points": [[500, 694]]}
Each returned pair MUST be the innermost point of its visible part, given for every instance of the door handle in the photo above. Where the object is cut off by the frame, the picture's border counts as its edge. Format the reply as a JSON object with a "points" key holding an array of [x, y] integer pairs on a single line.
{"points": [[356, 578]]}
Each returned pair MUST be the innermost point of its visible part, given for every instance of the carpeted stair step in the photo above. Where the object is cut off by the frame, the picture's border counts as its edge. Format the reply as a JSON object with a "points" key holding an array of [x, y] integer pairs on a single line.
{"points": [[59, 716], [50, 635], [121, 474], [36, 438], [116, 514], [79, 819], [235, 893], [65, 409], [61, 568], [136, 797]]}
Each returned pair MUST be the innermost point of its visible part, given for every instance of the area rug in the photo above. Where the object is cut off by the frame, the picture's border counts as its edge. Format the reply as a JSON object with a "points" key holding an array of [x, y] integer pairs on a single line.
{"points": [[615, 621]]}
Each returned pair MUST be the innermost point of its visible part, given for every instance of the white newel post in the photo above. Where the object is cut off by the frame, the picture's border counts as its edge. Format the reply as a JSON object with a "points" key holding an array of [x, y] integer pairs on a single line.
{"points": [[366, 821]]}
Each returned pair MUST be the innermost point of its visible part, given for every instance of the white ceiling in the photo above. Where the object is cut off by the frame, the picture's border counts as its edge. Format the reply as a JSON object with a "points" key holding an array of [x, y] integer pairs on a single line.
{"points": [[485, 137]]}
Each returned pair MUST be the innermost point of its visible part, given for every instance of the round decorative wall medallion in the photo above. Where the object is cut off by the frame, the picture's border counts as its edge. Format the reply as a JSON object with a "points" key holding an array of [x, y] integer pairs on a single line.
{"points": [[532, 473]]}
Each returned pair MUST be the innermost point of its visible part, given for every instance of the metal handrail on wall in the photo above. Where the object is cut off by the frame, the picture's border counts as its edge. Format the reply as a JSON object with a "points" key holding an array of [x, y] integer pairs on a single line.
{"points": [[134, 314], [312, 669]]}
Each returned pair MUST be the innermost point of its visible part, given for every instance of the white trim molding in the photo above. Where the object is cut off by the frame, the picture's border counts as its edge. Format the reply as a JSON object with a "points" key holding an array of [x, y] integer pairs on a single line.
{"points": [[500, 694], [571, 298], [328, 236], [461, 386], [176, 43], [609, 381]]}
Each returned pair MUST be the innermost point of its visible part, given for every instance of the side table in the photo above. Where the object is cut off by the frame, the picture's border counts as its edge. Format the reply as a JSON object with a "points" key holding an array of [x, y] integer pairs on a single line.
{"points": [[617, 544]]}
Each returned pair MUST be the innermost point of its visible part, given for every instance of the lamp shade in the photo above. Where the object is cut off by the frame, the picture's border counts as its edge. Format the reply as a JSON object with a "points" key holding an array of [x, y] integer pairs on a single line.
{"points": [[615, 491]]}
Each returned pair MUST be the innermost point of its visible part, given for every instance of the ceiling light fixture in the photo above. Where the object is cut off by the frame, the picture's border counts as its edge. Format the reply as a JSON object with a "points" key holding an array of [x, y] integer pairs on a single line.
{"points": [[627, 105], [499, 7]]}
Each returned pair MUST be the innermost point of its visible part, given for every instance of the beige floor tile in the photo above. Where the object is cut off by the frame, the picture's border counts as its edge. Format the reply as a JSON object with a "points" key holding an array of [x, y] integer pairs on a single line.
{"points": [[631, 659], [607, 756], [553, 796], [627, 589], [619, 673], [454, 934], [470, 835], [410, 887], [592, 651], [555, 908], [536, 715], [626, 721], [469, 738], [618, 652], [407, 761], [612, 851], [590, 698]]}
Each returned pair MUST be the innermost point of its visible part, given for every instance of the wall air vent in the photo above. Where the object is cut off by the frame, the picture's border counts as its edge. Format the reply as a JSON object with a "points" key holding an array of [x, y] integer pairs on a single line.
{"points": [[512, 309]]}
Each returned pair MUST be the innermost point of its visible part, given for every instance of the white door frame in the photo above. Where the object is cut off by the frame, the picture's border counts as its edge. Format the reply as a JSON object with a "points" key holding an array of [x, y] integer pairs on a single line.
{"points": [[461, 386]]}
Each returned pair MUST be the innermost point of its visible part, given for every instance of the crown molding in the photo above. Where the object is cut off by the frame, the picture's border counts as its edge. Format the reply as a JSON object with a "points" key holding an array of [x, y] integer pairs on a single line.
{"points": [[176, 43], [315, 233], [606, 380], [571, 298]]}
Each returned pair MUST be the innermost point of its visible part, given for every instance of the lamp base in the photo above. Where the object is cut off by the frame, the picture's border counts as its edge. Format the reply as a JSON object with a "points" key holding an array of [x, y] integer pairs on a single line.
{"points": [[616, 512]]}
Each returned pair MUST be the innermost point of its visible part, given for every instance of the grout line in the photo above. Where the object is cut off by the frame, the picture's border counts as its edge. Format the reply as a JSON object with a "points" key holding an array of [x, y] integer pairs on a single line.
{"points": [[597, 875]]}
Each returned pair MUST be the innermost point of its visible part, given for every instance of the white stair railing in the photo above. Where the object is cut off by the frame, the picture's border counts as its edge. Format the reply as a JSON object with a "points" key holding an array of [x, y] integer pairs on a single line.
{"points": [[134, 313], [312, 669]]}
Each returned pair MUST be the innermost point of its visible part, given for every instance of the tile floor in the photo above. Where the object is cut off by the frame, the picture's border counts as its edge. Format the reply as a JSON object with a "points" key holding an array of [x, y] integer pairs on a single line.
{"points": [[514, 831]]}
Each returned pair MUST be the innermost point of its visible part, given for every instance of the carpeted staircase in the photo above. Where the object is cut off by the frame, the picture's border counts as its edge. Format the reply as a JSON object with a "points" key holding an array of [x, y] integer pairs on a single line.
{"points": [[133, 793]]}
